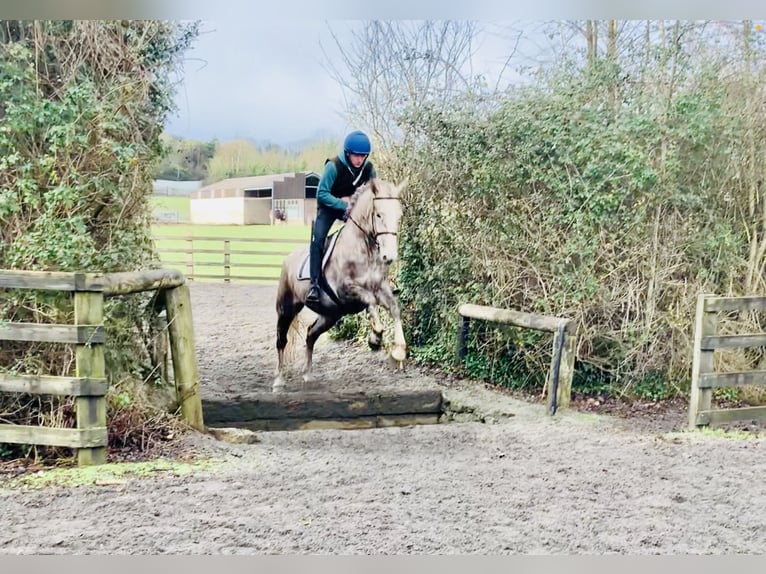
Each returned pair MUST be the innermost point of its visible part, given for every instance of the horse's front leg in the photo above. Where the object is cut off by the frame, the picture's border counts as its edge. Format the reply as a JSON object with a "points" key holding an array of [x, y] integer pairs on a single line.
{"points": [[375, 340], [389, 301]]}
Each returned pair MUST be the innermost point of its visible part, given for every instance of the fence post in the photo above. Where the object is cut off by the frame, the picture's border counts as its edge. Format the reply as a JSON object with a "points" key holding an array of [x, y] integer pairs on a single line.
{"points": [[462, 336], [565, 367], [226, 260], [181, 333], [190, 257], [89, 362], [705, 325]]}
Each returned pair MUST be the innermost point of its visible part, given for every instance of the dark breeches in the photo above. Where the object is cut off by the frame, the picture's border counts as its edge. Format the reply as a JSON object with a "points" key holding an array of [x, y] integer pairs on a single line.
{"points": [[322, 224]]}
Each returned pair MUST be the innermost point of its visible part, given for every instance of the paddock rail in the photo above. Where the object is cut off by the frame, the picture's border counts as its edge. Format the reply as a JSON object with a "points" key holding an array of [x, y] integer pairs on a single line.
{"points": [[233, 263]]}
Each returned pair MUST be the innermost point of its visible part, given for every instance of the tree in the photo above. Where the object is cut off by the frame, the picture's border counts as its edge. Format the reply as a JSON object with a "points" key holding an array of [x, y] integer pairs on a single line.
{"points": [[184, 160], [392, 68]]}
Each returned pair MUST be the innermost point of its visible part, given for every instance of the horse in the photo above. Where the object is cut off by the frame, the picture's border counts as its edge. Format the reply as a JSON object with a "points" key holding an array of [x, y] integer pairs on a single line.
{"points": [[354, 278]]}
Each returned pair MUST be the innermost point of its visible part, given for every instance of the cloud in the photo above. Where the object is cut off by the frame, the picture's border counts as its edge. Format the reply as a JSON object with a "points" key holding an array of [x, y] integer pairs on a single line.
{"points": [[261, 80]]}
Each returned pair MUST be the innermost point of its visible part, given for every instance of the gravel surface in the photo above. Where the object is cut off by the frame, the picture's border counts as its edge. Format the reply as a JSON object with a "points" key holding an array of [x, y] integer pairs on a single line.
{"points": [[519, 482]]}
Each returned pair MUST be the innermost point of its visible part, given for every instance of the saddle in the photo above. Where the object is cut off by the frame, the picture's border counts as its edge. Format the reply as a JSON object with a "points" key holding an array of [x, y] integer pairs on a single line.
{"points": [[304, 271]]}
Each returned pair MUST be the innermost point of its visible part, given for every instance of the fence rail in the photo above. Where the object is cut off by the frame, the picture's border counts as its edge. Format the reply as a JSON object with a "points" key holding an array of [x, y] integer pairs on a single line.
{"points": [[234, 262], [704, 377], [89, 438], [559, 381]]}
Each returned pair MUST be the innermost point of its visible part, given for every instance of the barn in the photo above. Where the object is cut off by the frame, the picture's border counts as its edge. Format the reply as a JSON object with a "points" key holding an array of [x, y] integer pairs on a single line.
{"points": [[255, 200]]}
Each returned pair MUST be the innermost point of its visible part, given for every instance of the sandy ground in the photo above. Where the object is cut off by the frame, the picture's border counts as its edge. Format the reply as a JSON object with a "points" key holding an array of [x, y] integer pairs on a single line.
{"points": [[519, 482]]}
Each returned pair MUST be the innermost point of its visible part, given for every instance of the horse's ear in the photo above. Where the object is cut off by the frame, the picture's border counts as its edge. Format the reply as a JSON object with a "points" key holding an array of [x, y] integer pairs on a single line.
{"points": [[374, 186], [402, 185]]}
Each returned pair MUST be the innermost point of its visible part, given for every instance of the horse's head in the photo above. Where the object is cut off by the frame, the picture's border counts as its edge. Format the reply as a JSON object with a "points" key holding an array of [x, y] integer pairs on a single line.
{"points": [[377, 212]]}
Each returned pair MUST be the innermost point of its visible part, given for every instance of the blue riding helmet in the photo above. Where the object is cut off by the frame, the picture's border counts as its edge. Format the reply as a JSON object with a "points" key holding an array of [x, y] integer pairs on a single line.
{"points": [[357, 142]]}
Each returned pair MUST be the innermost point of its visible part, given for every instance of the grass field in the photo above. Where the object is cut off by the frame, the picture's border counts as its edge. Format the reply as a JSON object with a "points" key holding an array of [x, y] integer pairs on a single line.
{"points": [[168, 203], [208, 254], [248, 257]]}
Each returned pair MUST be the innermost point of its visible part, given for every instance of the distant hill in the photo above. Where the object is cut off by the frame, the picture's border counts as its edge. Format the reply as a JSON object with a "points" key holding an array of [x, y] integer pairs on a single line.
{"points": [[296, 146]]}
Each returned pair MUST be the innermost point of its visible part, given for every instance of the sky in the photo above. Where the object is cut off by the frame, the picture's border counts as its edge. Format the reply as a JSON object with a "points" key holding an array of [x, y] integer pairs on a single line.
{"points": [[267, 81]]}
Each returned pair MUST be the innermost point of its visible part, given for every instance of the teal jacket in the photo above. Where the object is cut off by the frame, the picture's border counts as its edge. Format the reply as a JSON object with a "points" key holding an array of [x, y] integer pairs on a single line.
{"points": [[325, 198]]}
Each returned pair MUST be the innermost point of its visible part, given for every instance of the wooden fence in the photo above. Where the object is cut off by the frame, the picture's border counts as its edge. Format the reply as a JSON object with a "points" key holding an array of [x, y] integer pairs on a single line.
{"points": [[704, 377], [559, 382], [88, 386], [232, 262]]}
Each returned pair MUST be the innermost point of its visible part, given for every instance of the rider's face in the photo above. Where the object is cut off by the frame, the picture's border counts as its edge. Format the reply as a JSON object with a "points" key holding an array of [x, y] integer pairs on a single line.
{"points": [[356, 159]]}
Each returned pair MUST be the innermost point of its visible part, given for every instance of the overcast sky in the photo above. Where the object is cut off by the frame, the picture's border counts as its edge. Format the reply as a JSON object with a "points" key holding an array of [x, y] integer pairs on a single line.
{"points": [[264, 80]]}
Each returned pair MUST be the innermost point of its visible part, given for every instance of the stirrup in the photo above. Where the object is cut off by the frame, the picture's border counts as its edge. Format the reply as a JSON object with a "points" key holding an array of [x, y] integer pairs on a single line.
{"points": [[313, 294]]}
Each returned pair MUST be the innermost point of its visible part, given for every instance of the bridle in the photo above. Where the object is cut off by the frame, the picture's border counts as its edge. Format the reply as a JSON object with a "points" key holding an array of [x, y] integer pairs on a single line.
{"points": [[372, 237]]}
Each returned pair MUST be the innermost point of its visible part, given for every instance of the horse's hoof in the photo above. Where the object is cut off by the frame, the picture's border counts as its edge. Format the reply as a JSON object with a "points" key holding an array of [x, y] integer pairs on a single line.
{"points": [[278, 386], [306, 379], [398, 354]]}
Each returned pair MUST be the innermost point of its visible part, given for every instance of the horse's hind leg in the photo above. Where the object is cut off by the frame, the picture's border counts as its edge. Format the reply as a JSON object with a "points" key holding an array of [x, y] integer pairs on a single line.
{"points": [[321, 325], [287, 309]]}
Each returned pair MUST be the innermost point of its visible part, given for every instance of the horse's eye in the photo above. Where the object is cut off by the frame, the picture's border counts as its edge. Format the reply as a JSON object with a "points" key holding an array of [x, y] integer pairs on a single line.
{"points": [[378, 215]]}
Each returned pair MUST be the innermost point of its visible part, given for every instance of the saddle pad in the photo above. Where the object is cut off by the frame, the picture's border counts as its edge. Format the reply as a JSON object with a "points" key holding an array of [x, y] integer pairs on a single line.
{"points": [[304, 271]]}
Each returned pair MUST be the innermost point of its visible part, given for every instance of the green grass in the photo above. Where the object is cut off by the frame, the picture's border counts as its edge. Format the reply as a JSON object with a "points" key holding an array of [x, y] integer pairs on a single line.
{"points": [[178, 204], [278, 250], [290, 232], [106, 474]]}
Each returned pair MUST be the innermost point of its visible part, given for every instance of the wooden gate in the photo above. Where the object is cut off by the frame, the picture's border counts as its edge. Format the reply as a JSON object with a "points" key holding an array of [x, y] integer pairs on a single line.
{"points": [[89, 438], [704, 377]]}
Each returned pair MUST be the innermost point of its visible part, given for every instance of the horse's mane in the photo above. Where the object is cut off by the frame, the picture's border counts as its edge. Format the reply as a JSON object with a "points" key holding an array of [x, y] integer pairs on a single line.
{"points": [[361, 202]]}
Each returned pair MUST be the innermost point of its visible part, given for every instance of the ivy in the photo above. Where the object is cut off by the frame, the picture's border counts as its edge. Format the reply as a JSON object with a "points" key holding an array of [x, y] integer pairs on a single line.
{"points": [[585, 196], [82, 107]]}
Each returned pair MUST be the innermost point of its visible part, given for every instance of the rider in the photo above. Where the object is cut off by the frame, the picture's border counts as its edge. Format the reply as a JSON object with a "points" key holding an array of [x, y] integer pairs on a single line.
{"points": [[342, 175]]}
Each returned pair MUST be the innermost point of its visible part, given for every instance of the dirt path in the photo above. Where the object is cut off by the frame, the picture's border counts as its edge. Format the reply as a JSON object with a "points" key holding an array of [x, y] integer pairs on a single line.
{"points": [[519, 483]]}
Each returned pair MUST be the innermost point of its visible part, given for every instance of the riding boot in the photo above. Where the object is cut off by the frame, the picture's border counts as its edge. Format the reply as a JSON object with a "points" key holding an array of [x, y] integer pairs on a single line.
{"points": [[315, 267], [313, 296]]}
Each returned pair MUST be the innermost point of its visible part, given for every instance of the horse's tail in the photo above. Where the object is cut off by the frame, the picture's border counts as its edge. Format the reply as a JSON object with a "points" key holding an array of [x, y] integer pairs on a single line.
{"points": [[296, 333]]}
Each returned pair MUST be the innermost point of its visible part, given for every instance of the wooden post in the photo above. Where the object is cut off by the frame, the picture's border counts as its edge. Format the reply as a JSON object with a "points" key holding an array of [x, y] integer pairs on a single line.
{"points": [[705, 325], [89, 357], [190, 257], [462, 335], [226, 260], [567, 366], [566, 370], [181, 332]]}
